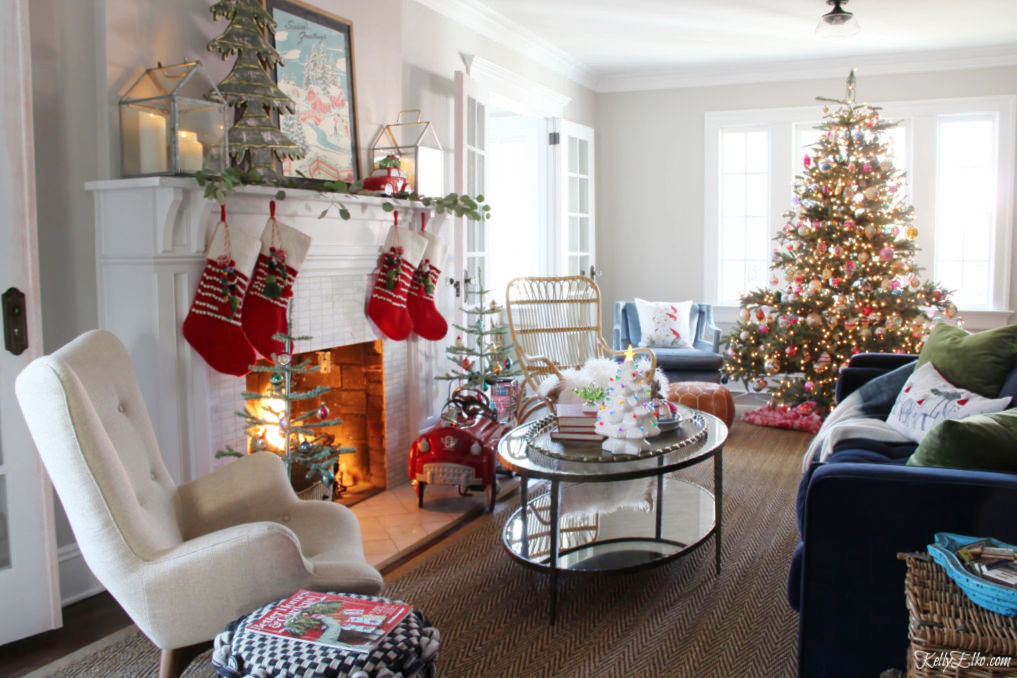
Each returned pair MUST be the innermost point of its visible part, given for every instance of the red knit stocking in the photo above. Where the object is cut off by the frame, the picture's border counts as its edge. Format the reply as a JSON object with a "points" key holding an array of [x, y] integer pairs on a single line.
{"points": [[427, 321], [387, 305], [283, 250], [212, 325]]}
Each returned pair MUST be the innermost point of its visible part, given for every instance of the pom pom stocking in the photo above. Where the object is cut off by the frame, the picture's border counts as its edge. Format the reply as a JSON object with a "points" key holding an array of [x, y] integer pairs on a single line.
{"points": [[427, 321], [212, 326], [387, 305], [283, 251]]}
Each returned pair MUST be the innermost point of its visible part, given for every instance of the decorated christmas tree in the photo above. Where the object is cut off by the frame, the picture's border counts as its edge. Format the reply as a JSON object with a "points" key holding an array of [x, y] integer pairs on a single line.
{"points": [[254, 138], [481, 357], [845, 279], [626, 416], [291, 423]]}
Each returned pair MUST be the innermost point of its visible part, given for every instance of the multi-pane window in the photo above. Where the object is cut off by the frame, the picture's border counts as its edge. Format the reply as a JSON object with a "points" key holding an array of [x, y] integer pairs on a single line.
{"points": [[958, 157], [966, 207], [744, 208]]}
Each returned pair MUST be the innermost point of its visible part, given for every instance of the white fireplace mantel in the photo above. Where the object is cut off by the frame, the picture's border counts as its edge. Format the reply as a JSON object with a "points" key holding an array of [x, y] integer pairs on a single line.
{"points": [[150, 248]]}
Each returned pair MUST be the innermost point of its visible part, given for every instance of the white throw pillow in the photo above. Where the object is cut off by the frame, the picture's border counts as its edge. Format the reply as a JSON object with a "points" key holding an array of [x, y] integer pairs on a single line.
{"points": [[928, 398], [664, 323]]}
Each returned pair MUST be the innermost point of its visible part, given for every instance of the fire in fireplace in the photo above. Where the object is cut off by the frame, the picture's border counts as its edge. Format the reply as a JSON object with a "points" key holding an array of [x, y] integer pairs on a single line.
{"points": [[355, 375]]}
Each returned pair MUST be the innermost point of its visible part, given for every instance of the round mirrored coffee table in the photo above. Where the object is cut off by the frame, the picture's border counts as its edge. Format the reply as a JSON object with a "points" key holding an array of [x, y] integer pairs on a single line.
{"points": [[573, 526]]}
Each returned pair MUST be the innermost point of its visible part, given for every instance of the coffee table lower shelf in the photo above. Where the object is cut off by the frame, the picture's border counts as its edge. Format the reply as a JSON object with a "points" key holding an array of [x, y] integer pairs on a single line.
{"points": [[624, 540]]}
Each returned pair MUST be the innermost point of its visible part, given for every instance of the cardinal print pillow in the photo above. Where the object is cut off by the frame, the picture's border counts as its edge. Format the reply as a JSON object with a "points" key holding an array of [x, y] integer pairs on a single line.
{"points": [[664, 323], [928, 398]]}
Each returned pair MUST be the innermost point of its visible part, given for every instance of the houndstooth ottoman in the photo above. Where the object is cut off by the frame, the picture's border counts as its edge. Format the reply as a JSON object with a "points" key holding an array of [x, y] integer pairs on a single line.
{"points": [[408, 651], [705, 396]]}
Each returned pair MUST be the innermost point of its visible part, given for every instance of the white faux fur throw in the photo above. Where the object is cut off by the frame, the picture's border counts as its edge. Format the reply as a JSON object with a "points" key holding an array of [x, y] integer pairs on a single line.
{"points": [[596, 371], [603, 498]]}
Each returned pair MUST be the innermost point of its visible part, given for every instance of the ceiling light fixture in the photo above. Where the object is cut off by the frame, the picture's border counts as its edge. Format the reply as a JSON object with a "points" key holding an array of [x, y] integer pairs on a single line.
{"points": [[838, 22]]}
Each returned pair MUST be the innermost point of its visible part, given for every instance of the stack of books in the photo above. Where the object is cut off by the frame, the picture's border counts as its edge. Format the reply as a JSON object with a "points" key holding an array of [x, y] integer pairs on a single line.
{"points": [[576, 425], [993, 563]]}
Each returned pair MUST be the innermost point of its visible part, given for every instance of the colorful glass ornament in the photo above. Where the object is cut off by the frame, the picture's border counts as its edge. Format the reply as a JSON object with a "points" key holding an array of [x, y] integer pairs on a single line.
{"points": [[323, 411]]}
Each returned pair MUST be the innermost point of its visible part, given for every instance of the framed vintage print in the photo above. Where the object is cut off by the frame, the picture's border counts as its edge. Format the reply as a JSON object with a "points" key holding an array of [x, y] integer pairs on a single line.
{"points": [[317, 73]]}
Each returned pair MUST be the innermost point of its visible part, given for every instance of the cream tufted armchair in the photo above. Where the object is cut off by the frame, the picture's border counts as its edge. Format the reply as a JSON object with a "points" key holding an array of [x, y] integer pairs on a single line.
{"points": [[181, 560]]}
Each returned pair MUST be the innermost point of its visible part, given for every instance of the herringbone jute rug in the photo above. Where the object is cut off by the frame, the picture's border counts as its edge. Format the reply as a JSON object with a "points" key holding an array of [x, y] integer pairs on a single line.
{"points": [[678, 620]]}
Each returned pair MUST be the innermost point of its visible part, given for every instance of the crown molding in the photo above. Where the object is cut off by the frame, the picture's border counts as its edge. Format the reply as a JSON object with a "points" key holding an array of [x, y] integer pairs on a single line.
{"points": [[773, 71], [519, 93], [502, 30]]}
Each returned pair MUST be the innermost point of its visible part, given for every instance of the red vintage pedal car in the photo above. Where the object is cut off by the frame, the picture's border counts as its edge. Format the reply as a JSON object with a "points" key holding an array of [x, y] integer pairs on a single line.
{"points": [[462, 451]]}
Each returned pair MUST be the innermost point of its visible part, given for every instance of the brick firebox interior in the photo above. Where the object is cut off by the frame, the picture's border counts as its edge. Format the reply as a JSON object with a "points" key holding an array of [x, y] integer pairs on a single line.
{"points": [[355, 375]]}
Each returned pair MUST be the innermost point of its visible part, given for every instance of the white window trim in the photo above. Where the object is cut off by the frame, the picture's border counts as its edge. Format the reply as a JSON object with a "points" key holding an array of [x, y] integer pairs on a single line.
{"points": [[921, 117]]}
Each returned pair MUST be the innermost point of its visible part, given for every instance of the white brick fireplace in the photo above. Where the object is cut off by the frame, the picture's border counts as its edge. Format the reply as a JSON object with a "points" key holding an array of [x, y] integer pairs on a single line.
{"points": [[150, 246]]}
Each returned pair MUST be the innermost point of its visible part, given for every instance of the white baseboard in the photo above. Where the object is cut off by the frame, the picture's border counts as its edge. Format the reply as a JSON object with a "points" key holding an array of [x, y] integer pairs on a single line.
{"points": [[76, 580]]}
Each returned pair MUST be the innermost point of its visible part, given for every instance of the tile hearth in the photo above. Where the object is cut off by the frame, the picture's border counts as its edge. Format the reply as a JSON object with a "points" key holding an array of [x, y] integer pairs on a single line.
{"points": [[392, 526]]}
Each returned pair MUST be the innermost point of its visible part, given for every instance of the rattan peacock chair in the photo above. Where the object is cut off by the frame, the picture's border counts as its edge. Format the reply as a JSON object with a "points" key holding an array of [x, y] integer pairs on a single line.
{"points": [[555, 324]]}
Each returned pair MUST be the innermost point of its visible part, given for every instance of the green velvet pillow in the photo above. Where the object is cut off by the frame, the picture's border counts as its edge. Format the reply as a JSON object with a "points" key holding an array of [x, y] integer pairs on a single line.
{"points": [[985, 442], [978, 362]]}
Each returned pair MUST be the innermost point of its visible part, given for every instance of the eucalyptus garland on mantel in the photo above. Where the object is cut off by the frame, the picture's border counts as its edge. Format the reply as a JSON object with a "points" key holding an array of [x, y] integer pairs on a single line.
{"points": [[219, 185]]}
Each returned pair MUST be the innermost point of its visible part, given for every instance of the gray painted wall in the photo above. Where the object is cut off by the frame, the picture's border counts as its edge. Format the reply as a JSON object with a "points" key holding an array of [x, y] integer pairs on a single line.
{"points": [[650, 152]]}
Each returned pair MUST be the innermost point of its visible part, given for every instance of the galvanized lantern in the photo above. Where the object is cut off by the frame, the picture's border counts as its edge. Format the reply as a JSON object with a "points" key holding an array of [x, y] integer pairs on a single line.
{"points": [[416, 145], [173, 121]]}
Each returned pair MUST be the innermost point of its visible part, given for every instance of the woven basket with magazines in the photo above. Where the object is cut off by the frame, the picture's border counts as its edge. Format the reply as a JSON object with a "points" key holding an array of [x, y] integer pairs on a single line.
{"points": [[951, 636]]}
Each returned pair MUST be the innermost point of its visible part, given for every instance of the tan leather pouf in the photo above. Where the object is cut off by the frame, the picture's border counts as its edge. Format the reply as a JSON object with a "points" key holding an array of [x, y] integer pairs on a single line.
{"points": [[705, 396]]}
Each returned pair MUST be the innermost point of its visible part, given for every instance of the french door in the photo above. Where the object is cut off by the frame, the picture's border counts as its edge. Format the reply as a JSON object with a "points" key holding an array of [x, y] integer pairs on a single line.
{"points": [[576, 198], [471, 172], [29, 585]]}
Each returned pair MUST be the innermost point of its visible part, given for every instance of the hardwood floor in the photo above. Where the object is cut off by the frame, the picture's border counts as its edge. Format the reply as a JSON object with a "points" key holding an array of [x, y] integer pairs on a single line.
{"points": [[84, 622]]}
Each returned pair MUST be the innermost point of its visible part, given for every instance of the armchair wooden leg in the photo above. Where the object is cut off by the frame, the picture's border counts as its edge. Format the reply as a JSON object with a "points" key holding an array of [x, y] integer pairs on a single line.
{"points": [[173, 662]]}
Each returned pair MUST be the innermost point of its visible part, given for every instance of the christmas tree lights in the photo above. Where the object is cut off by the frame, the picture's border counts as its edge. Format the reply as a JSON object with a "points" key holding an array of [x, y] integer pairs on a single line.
{"points": [[845, 279]]}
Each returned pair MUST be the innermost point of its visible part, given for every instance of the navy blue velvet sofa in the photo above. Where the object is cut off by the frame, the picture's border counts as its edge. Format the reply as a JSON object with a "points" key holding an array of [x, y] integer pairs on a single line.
{"points": [[702, 362], [859, 509]]}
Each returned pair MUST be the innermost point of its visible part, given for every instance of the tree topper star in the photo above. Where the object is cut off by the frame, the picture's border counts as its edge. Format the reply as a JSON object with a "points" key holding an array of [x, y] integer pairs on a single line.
{"points": [[629, 354]]}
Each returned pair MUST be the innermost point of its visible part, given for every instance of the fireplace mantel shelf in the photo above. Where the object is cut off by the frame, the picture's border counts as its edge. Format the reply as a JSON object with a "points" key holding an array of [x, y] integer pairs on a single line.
{"points": [[293, 195]]}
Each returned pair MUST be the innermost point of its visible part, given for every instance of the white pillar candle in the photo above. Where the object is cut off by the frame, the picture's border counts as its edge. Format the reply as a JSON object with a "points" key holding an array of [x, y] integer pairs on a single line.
{"points": [[190, 151], [152, 143]]}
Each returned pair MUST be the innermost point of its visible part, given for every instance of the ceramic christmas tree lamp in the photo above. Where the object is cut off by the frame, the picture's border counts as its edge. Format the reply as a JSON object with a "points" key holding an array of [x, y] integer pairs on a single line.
{"points": [[627, 416]]}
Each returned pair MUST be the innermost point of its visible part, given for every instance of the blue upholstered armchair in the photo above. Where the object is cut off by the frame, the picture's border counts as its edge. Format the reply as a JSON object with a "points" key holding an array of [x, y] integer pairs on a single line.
{"points": [[702, 362]]}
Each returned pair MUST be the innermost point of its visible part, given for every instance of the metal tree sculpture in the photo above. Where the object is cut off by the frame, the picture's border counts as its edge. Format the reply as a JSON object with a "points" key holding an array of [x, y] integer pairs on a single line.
{"points": [[254, 138]]}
